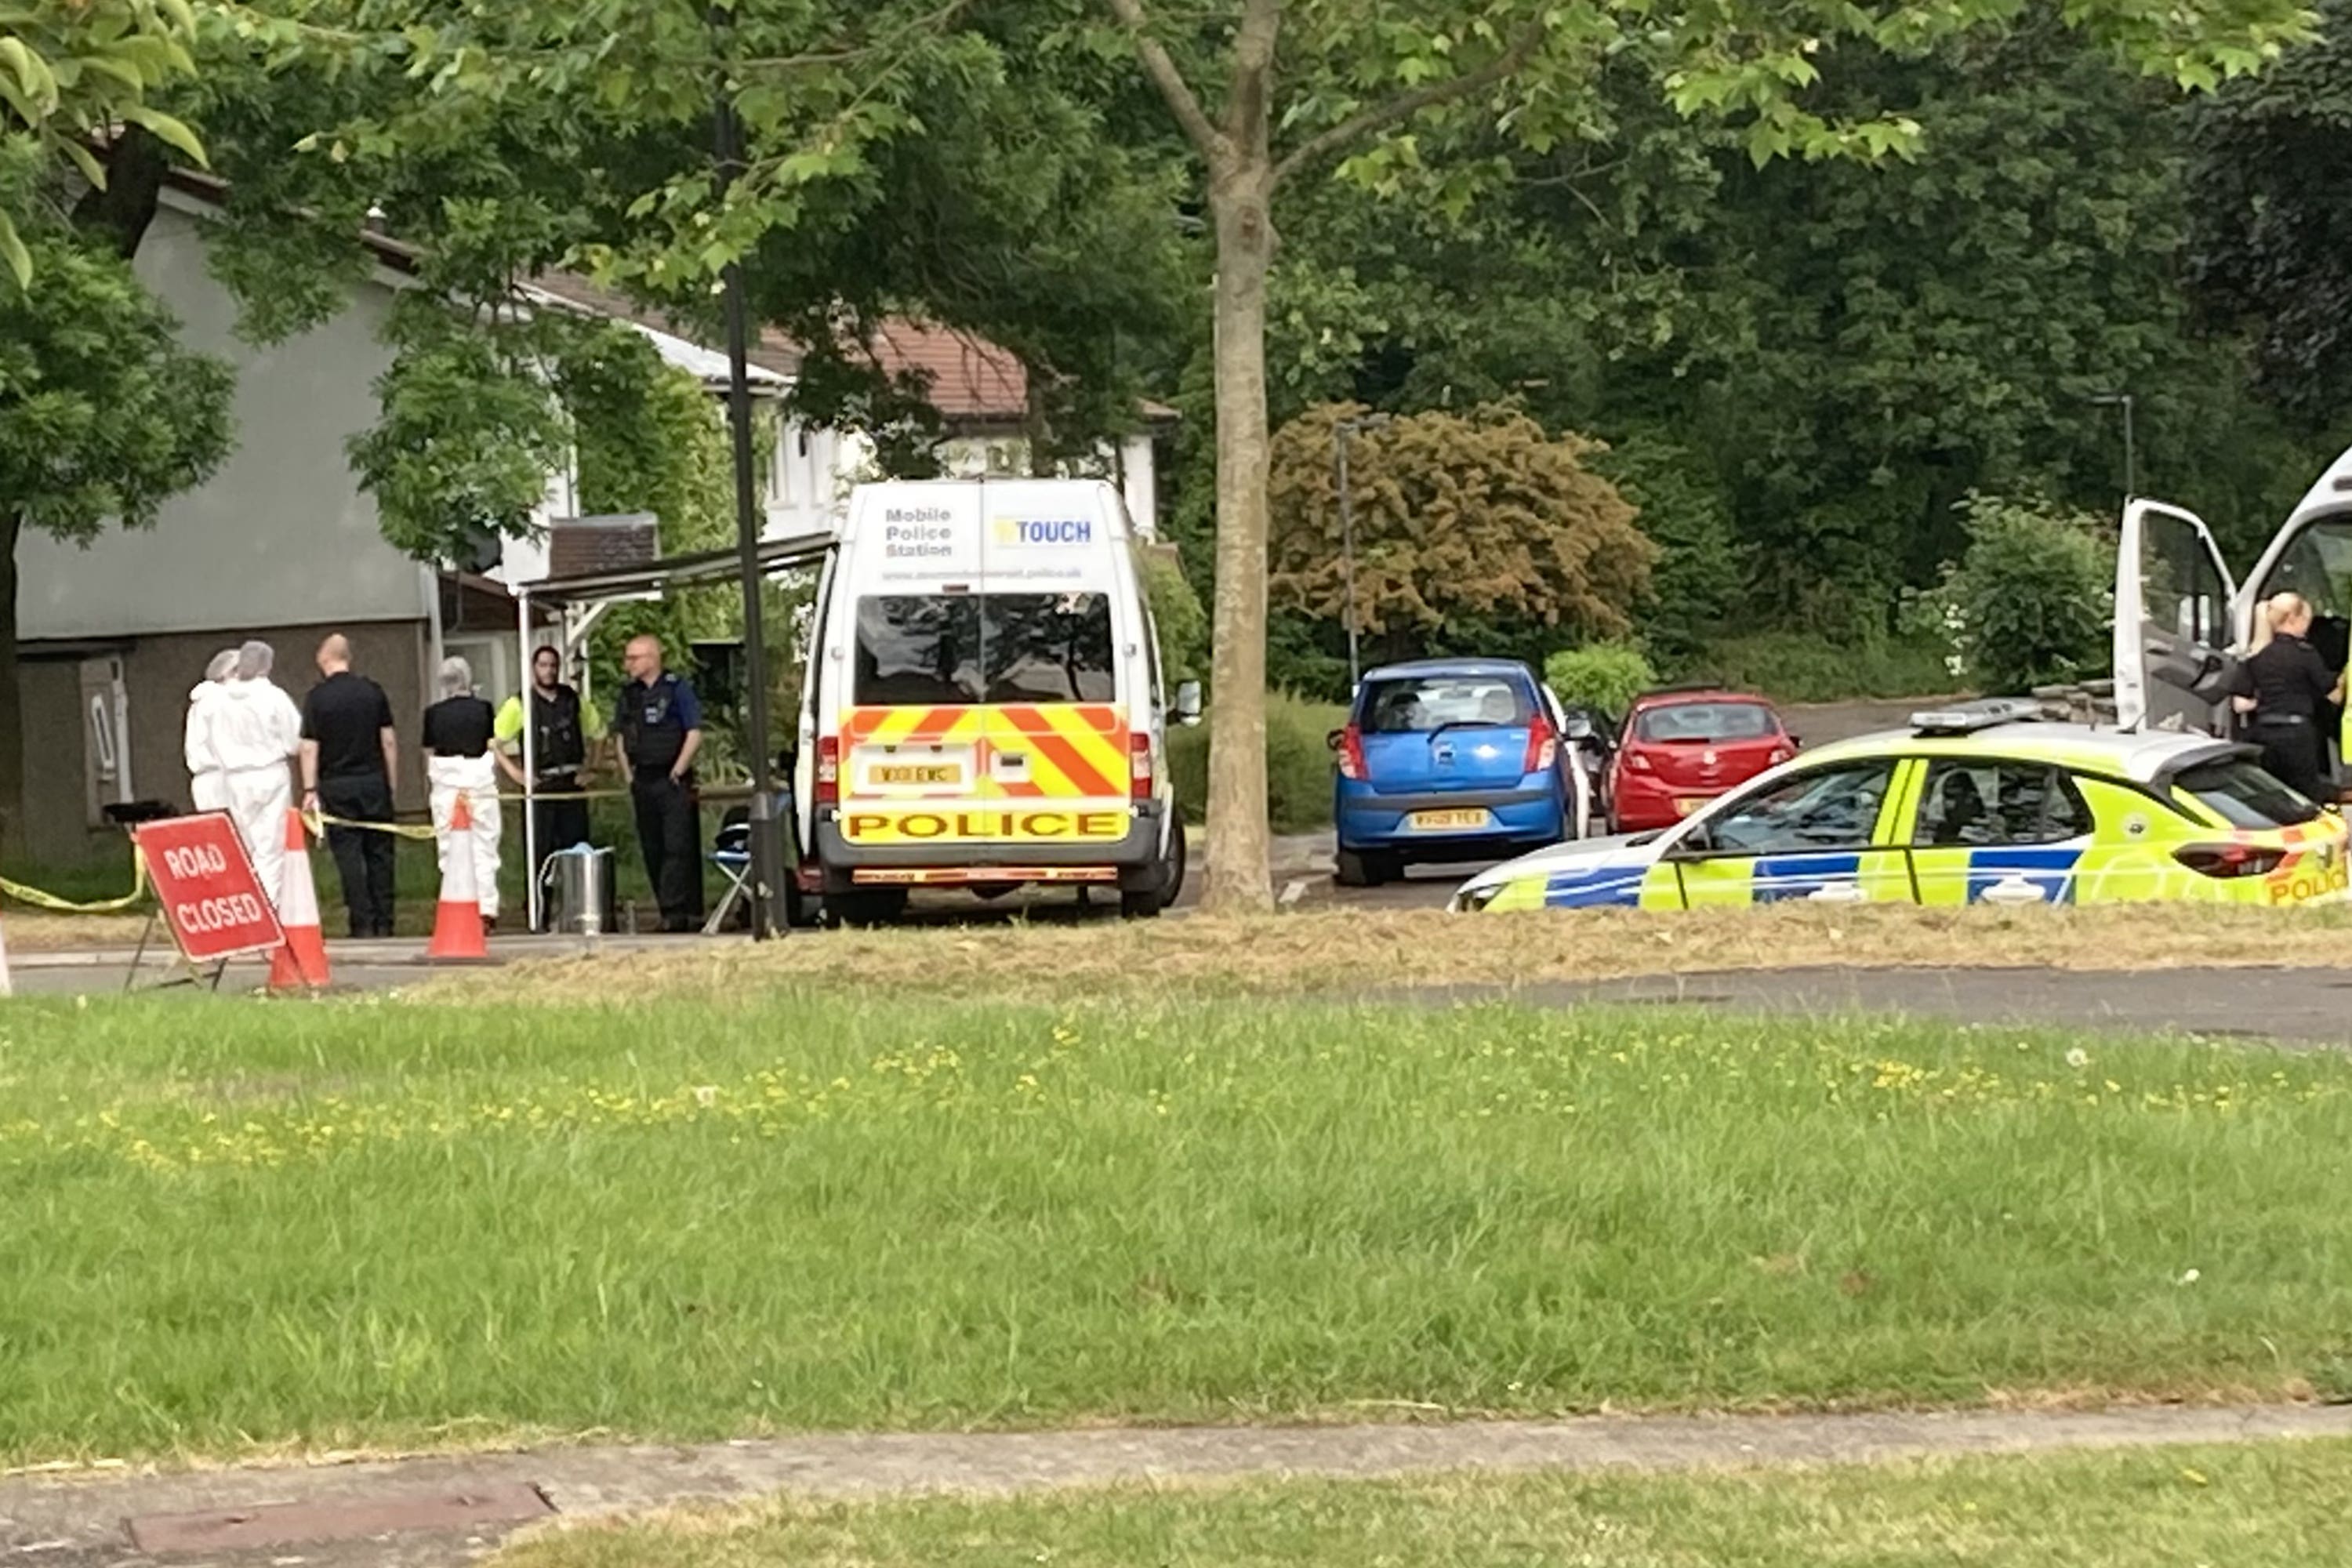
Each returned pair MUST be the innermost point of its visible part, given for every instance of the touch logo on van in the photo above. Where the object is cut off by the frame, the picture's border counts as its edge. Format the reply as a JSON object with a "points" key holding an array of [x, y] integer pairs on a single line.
{"points": [[1013, 532]]}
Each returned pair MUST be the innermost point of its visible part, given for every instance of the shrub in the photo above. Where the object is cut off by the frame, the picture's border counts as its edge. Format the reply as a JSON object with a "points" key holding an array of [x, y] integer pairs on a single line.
{"points": [[1606, 676], [1298, 763], [2030, 602]]}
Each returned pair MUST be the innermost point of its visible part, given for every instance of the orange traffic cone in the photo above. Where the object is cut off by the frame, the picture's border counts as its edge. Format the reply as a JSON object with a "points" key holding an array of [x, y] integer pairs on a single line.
{"points": [[457, 924], [303, 961]]}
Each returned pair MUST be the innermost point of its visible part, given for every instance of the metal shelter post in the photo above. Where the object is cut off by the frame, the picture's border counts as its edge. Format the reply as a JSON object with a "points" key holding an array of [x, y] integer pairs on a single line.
{"points": [[530, 761], [766, 863]]}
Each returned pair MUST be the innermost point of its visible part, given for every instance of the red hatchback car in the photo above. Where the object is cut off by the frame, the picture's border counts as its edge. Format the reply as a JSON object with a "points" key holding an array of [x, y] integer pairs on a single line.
{"points": [[1682, 749]]}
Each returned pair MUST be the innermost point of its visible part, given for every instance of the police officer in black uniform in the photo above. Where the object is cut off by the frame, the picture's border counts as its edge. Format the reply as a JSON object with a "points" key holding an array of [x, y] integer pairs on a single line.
{"points": [[561, 730], [2289, 687], [659, 725]]}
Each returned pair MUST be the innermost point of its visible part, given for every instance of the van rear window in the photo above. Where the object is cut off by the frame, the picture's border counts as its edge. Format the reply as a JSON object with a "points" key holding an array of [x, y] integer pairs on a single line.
{"points": [[955, 651]]}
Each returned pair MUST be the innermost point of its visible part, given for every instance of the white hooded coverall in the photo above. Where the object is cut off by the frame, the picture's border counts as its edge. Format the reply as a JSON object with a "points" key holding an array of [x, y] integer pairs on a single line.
{"points": [[207, 781], [256, 734]]}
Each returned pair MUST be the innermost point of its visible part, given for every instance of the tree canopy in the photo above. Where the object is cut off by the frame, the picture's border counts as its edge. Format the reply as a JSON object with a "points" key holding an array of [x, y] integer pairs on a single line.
{"points": [[1476, 531]]}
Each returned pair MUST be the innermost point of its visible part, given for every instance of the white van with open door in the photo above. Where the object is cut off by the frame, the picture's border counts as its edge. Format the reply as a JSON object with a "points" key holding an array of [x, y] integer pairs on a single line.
{"points": [[983, 707], [2182, 621]]}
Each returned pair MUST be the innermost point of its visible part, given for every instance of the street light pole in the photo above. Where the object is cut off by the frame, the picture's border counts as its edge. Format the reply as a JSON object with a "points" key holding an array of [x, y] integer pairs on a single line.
{"points": [[2125, 401], [767, 859], [1348, 556], [1339, 434]]}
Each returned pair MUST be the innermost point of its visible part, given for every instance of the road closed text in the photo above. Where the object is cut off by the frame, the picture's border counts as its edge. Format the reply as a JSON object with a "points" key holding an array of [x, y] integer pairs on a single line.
{"points": [[983, 824], [229, 912]]}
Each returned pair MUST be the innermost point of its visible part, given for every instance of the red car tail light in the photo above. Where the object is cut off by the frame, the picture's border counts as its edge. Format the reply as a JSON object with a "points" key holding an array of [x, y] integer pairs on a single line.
{"points": [[1543, 746], [2230, 860], [1351, 753], [1635, 763]]}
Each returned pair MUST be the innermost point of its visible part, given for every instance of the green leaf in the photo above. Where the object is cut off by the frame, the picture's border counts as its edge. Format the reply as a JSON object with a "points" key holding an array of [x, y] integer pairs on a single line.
{"points": [[31, 71], [13, 251], [169, 130], [86, 161]]}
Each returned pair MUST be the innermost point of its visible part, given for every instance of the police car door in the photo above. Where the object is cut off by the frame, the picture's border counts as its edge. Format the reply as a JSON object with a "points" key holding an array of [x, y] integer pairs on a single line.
{"points": [[2173, 623], [1823, 835]]}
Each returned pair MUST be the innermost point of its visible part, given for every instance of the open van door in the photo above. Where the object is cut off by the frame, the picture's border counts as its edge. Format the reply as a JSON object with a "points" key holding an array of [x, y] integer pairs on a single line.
{"points": [[2174, 620]]}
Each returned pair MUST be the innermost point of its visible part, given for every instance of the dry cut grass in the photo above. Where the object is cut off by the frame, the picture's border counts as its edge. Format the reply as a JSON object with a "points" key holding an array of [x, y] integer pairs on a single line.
{"points": [[1353, 952]]}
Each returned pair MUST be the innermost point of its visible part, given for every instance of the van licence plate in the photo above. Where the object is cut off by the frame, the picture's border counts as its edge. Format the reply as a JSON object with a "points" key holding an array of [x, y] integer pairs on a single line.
{"points": [[1448, 821], [887, 773]]}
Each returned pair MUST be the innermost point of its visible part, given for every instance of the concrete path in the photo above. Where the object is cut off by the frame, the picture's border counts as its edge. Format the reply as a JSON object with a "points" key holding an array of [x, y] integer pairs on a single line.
{"points": [[83, 1521]]}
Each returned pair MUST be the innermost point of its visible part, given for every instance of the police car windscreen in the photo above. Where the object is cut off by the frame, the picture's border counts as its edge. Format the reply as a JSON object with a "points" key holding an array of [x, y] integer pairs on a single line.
{"points": [[957, 649]]}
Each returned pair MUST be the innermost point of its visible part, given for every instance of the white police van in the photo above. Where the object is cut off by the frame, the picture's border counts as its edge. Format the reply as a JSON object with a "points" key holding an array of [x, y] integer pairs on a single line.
{"points": [[983, 707]]}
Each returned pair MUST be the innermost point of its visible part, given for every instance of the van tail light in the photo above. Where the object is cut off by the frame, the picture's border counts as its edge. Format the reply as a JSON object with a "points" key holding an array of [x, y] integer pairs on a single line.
{"points": [[828, 770], [1543, 746], [1351, 753], [2225, 860], [1138, 764]]}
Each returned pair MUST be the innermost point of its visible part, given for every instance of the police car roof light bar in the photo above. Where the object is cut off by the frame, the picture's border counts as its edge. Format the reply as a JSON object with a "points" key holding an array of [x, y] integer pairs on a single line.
{"points": [[1966, 717]]}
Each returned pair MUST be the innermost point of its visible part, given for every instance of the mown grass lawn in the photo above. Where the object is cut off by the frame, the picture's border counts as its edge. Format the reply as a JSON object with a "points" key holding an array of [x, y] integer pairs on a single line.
{"points": [[233, 1226], [2278, 1505]]}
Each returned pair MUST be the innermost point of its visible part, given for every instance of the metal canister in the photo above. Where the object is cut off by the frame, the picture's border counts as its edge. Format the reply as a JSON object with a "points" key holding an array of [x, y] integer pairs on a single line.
{"points": [[578, 887]]}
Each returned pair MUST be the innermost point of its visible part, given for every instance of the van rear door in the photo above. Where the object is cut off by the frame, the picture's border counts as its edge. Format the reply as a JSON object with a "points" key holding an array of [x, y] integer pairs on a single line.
{"points": [[2173, 601]]}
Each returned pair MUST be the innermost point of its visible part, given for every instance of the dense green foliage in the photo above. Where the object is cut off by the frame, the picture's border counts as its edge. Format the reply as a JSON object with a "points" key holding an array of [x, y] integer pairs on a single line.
{"points": [[1298, 765], [2028, 603], [2271, 196], [1473, 532], [1801, 370], [1605, 676]]}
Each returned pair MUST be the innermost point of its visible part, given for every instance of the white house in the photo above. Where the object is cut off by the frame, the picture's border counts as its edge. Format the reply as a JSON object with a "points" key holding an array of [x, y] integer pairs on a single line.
{"points": [[281, 543]]}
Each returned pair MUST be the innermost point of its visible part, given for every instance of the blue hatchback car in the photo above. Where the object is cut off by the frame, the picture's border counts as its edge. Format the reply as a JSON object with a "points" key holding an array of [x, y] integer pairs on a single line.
{"points": [[1452, 759]]}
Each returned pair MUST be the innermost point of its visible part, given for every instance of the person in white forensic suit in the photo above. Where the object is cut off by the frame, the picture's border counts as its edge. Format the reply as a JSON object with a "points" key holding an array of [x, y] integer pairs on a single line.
{"points": [[458, 761], [256, 734], [207, 781]]}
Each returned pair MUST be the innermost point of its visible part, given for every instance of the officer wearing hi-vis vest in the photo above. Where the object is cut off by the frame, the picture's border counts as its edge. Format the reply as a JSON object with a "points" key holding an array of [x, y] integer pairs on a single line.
{"points": [[659, 724]]}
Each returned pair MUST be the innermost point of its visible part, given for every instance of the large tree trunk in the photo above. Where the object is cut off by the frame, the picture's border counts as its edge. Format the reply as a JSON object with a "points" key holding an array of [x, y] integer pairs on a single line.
{"points": [[1241, 202], [11, 702]]}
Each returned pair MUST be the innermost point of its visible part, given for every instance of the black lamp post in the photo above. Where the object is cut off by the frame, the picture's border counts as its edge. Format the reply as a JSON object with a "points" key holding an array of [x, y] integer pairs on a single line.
{"points": [[1339, 434], [767, 887]]}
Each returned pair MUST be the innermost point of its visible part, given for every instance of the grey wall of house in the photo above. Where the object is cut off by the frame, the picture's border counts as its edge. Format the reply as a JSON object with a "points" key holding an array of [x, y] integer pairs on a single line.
{"points": [[157, 673], [283, 524]]}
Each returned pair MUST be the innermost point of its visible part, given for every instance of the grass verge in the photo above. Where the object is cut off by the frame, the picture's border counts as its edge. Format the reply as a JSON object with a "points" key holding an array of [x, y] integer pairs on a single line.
{"points": [[2274, 1505], [236, 1228], [1347, 951]]}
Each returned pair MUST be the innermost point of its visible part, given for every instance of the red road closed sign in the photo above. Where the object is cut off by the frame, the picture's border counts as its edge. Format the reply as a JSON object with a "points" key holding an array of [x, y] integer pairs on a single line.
{"points": [[206, 882]]}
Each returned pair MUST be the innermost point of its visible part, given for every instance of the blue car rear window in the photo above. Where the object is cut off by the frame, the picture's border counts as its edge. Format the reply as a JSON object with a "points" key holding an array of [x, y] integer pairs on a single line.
{"points": [[1417, 705]]}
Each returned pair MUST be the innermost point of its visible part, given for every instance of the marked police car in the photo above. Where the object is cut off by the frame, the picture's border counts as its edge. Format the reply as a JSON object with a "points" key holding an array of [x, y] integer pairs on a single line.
{"points": [[1981, 802]]}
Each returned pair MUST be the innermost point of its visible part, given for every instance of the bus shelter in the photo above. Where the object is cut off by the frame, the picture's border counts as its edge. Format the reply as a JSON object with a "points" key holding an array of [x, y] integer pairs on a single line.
{"points": [[581, 601]]}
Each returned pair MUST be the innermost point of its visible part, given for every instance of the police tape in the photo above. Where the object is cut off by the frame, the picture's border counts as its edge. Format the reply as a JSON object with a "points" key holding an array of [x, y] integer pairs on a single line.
{"points": [[422, 832], [19, 893]]}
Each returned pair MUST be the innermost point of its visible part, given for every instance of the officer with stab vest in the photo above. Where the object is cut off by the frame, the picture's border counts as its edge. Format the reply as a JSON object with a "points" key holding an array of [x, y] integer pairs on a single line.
{"points": [[560, 728], [658, 723]]}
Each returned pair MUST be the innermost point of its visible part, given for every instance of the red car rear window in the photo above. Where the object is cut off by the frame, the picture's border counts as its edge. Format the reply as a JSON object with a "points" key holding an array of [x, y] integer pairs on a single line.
{"points": [[1705, 723]]}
